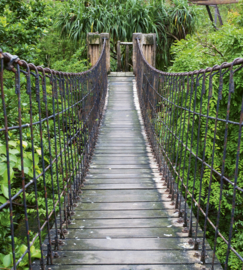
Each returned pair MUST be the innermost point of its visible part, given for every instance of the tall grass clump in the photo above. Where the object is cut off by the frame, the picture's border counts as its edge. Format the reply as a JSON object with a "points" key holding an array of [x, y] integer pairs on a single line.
{"points": [[123, 18]]}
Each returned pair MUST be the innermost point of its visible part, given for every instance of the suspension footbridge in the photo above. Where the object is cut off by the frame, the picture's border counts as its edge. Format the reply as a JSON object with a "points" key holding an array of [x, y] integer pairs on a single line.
{"points": [[119, 163]]}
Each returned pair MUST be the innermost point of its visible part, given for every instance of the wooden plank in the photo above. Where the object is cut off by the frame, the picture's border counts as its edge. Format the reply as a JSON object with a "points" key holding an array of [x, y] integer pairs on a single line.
{"points": [[118, 56], [128, 244], [122, 223], [127, 57], [163, 257], [126, 43], [214, 2], [139, 185], [130, 267], [145, 213], [122, 198], [121, 206], [82, 233]]}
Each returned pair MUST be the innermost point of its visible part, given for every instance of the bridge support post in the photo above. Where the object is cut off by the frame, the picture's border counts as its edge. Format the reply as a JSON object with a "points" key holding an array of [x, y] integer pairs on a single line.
{"points": [[118, 56], [149, 48], [148, 44], [134, 53], [95, 45], [107, 48]]}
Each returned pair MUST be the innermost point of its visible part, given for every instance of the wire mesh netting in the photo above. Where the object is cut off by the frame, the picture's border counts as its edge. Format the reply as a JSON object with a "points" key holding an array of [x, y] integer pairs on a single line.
{"points": [[49, 123], [194, 124]]}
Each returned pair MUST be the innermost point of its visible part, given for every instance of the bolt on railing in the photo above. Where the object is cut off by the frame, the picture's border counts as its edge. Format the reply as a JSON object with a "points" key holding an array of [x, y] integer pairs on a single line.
{"points": [[49, 124], [194, 123]]}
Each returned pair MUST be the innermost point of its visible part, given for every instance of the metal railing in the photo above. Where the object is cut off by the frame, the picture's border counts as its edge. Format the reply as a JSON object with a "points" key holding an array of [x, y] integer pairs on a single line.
{"points": [[49, 123], [194, 123]]}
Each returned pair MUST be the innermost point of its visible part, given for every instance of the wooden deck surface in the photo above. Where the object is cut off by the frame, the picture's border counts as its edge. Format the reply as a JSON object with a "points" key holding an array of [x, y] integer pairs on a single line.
{"points": [[125, 219]]}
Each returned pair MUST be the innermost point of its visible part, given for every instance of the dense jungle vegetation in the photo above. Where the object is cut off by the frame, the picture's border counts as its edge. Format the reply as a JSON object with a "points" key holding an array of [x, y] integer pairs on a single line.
{"points": [[53, 34], [206, 48]]}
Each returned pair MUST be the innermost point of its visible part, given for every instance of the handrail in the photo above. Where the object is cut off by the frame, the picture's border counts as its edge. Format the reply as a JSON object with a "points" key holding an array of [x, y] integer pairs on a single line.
{"points": [[48, 135], [194, 123]]}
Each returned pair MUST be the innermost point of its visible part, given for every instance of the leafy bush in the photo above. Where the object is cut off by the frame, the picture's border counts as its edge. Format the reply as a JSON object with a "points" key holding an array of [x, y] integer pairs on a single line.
{"points": [[194, 53], [201, 51], [22, 24], [76, 63]]}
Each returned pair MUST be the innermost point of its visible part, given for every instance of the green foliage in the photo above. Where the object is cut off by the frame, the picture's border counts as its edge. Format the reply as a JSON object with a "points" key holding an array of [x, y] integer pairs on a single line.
{"points": [[6, 258], [196, 52], [21, 26], [201, 51], [123, 18], [76, 63], [26, 30]]}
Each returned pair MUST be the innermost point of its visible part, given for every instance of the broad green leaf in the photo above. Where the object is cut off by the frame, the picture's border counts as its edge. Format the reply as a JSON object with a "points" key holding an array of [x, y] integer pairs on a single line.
{"points": [[38, 151], [5, 222], [14, 151], [1, 257], [4, 188], [23, 249], [5, 175], [25, 144], [3, 149], [36, 254], [3, 168], [30, 173], [2, 199], [28, 155], [13, 158], [7, 260], [32, 249], [36, 159], [27, 163], [26, 168], [12, 143]]}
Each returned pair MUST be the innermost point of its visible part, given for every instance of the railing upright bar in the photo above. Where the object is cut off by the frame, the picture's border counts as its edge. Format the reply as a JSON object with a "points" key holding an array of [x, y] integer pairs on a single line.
{"points": [[6, 136]]}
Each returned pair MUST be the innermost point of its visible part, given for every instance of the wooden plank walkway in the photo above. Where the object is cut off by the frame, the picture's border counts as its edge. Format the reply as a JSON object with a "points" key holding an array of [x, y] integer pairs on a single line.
{"points": [[125, 219]]}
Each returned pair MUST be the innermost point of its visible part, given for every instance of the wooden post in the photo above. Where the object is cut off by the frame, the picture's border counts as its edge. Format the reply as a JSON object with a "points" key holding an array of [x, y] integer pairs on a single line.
{"points": [[154, 50], [107, 37], [219, 16], [215, 15], [93, 43], [118, 56], [210, 16], [127, 57], [148, 44], [209, 13], [134, 54]]}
